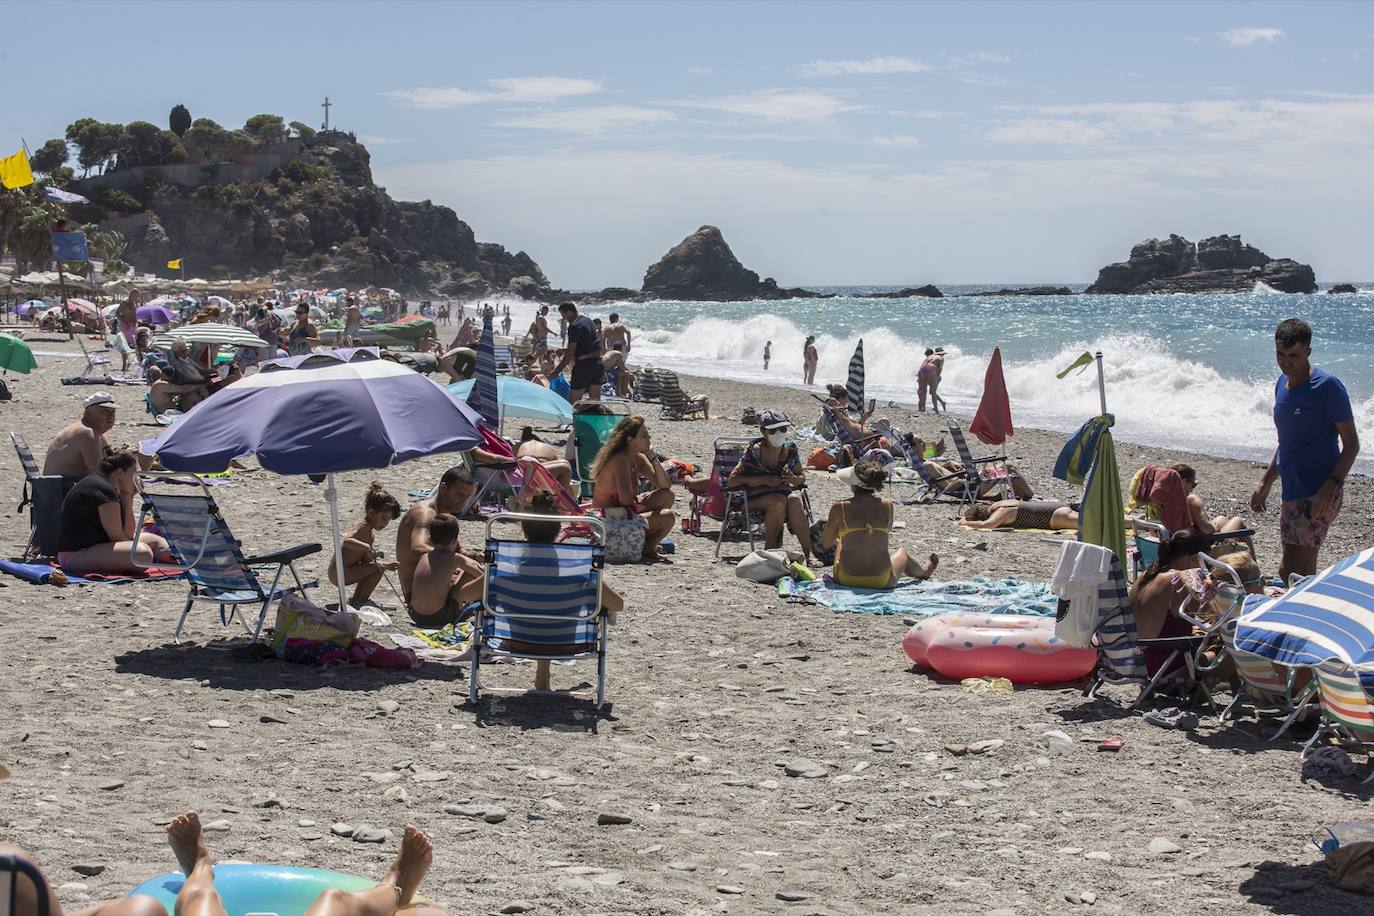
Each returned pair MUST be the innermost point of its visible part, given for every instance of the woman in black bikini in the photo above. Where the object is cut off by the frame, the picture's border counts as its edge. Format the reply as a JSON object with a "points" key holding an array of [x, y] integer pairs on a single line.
{"points": [[1030, 514]]}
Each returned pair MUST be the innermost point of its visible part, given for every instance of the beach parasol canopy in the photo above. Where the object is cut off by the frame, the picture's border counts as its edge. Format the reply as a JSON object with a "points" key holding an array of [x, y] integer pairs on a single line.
{"points": [[155, 314], [208, 332], [15, 355], [1328, 617], [854, 385], [519, 398], [320, 419], [28, 308], [992, 422], [482, 395]]}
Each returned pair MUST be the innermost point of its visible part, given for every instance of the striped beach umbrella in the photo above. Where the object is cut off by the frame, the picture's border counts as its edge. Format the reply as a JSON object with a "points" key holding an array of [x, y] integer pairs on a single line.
{"points": [[483, 398], [855, 384], [208, 333], [1328, 617]]}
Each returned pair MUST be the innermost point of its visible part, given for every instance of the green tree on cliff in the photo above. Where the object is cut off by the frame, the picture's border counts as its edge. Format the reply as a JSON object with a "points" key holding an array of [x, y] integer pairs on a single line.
{"points": [[179, 120], [265, 127], [50, 156], [97, 142]]}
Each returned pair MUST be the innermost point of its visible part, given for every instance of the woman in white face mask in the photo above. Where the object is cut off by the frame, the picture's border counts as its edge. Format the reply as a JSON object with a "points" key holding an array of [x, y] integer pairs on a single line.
{"points": [[772, 470]]}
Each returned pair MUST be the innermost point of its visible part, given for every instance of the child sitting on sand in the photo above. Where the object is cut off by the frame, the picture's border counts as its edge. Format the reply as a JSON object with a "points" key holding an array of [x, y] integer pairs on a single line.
{"points": [[362, 565]]}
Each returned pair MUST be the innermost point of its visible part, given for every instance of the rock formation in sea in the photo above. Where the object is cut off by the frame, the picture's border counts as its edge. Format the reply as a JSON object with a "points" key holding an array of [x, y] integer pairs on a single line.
{"points": [[317, 220], [1342, 288], [703, 268], [929, 291], [1028, 291], [1221, 264]]}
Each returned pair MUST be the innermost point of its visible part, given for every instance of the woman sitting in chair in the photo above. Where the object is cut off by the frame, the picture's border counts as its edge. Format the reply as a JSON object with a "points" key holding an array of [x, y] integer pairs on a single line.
{"points": [[939, 467], [1161, 589], [771, 470], [860, 528], [627, 458], [1197, 511], [97, 528]]}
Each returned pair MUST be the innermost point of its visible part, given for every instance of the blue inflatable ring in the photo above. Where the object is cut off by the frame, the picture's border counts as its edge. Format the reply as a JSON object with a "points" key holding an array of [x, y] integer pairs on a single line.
{"points": [[245, 888]]}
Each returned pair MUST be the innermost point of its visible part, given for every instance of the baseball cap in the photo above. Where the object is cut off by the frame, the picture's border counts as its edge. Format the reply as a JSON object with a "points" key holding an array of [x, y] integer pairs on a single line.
{"points": [[773, 419], [100, 399]]}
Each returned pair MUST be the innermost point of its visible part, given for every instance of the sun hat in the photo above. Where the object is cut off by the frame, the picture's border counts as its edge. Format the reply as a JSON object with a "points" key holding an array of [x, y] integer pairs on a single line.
{"points": [[100, 399], [773, 419]]}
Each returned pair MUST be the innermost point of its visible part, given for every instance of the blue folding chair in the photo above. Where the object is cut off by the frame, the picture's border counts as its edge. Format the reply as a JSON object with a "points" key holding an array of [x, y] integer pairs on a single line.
{"points": [[505, 361], [11, 867], [212, 558], [542, 601]]}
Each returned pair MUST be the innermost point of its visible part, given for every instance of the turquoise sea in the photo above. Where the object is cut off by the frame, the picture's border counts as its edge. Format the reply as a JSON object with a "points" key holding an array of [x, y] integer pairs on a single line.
{"points": [[1189, 371]]}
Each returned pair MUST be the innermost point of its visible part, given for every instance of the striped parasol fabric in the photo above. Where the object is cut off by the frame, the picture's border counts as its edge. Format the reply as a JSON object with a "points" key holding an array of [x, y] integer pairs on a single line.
{"points": [[483, 398], [855, 385], [209, 333], [1328, 617]]}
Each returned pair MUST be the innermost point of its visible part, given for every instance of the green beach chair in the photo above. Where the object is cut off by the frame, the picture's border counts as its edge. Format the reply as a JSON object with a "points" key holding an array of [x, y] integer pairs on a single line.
{"points": [[592, 425]]}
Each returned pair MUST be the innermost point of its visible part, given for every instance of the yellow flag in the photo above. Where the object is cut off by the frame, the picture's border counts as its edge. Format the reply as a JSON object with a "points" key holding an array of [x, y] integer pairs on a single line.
{"points": [[15, 171], [174, 265], [1082, 362]]}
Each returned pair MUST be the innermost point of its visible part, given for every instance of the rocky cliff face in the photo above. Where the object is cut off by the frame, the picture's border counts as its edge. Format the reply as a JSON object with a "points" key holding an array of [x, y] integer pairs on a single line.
{"points": [[326, 225], [703, 268], [1221, 264]]}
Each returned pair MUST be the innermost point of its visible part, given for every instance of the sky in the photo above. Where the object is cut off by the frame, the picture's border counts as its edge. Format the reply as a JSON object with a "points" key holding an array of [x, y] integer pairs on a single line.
{"points": [[832, 143]]}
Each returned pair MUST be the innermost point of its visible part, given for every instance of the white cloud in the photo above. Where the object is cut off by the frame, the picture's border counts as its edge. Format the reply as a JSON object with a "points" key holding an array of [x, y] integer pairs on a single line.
{"points": [[541, 88], [1193, 38], [1047, 130], [864, 67], [922, 114], [978, 79], [897, 141], [590, 121], [519, 89], [1245, 36], [371, 140], [978, 57], [776, 105]]}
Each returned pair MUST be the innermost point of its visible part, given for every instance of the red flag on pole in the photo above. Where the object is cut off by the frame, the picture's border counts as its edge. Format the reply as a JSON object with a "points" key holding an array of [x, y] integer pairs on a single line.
{"points": [[992, 422]]}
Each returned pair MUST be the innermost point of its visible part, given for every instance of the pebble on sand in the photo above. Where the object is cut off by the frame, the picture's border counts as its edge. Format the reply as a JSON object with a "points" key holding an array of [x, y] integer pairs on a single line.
{"points": [[608, 819], [1159, 846], [111, 785], [88, 869], [218, 723], [805, 769], [730, 889], [517, 906]]}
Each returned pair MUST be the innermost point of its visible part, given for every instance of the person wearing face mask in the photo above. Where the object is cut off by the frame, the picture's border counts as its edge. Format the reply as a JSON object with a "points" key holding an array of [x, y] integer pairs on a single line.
{"points": [[772, 470]]}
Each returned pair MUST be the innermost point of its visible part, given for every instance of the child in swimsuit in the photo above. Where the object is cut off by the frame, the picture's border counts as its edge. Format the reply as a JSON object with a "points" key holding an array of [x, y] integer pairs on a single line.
{"points": [[860, 528], [363, 569]]}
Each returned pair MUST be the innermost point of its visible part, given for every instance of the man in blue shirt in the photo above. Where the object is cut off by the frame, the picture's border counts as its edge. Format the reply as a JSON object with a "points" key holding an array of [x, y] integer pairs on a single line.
{"points": [[584, 354], [1317, 448]]}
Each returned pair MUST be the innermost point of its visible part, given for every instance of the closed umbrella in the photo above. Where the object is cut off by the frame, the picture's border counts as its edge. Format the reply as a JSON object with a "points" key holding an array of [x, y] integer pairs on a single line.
{"points": [[854, 386], [482, 396], [209, 332], [15, 355], [1102, 518], [1327, 617], [519, 398], [992, 422], [320, 420]]}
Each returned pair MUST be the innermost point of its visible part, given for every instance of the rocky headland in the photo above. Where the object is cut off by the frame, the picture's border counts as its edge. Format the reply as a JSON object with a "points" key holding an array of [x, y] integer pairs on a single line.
{"points": [[1221, 264], [702, 267]]}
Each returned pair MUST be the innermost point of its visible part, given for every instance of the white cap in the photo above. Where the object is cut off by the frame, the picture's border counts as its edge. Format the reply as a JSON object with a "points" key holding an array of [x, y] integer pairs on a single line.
{"points": [[100, 399]]}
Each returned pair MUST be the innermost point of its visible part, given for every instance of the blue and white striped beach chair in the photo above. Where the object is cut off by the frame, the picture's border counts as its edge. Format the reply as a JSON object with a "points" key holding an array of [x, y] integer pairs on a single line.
{"points": [[542, 601], [210, 555]]}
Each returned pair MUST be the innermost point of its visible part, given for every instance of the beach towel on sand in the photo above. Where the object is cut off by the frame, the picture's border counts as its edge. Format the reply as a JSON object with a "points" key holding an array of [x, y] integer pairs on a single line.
{"points": [[978, 595], [40, 572]]}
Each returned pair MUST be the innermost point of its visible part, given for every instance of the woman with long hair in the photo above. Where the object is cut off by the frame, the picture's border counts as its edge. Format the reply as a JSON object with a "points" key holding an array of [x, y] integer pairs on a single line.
{"points": [[627, 458], [1162, 589]]}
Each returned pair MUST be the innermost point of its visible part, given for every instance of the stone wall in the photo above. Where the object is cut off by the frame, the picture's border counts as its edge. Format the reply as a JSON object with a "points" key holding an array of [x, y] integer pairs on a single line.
{"points": [[253, 167]]}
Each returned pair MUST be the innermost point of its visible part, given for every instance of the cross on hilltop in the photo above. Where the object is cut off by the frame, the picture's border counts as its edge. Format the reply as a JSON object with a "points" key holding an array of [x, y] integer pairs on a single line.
{"points": [[326, 106]]}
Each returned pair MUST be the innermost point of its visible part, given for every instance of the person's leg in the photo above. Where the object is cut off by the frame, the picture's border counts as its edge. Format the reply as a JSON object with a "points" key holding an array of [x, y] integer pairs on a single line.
{"points": [[661, 522], [561, 470], [543, 671], [796, 520], [922, 388], [774, 509], [904, 564], [576, 394], [1019, 485], [366, 585], [109, 558], [396, 889], [1298, 559], [662, 498], [1226, 524], [197, 896]]}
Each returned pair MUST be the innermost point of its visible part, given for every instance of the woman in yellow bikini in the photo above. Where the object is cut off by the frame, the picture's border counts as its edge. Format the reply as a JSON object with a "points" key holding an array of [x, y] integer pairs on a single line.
{"points": [[861, 526]]}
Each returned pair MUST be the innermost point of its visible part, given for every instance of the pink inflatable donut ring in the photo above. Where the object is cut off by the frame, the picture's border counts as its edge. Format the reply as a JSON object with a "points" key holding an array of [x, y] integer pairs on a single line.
{"points": [[917, 638], [1023, 655]]}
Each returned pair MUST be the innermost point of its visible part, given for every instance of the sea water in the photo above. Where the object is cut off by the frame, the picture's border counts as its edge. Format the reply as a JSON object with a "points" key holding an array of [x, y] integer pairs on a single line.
{"points": [[1194, 372]]}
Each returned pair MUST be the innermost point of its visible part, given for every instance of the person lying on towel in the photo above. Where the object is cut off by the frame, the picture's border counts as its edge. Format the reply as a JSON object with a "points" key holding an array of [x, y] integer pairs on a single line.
{"points": [[860, 528], [1025, 514]]}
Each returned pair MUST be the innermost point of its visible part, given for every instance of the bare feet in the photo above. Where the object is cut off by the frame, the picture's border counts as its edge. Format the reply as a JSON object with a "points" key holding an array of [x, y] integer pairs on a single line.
{"points": [[187, 842], [411, 865], [930, 567]]}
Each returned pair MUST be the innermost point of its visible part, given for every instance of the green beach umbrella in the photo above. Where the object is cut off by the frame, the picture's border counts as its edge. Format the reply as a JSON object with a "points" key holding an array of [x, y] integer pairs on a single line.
{"points": [[1102, 518], [15, 355]]}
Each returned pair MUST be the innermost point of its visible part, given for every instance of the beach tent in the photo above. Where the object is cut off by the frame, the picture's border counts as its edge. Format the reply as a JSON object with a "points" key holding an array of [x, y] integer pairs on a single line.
{"points": [[324, 417]]}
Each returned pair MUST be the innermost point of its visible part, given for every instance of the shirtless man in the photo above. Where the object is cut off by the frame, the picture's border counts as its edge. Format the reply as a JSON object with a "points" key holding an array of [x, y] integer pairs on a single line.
{"points": [[76, 451], [412, 534], [127, 316], [434, 599], [539, 331], [617, 336], [767, 353], [811, 358]]}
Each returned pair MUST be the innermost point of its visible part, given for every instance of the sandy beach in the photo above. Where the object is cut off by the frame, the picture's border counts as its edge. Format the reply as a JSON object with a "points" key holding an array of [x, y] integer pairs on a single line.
{"points": [[109, 731]]}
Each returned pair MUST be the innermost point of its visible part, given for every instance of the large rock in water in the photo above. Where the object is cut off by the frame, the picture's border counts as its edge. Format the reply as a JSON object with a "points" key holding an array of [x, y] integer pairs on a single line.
{"points": [[703, 268], [1221, 264]]}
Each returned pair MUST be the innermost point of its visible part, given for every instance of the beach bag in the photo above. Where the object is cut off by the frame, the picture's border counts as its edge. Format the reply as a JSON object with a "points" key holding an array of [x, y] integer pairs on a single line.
{"points": [[765, 566], [1349, 851], [820, 459], [299, 619], [825, 556], [624, 537]]}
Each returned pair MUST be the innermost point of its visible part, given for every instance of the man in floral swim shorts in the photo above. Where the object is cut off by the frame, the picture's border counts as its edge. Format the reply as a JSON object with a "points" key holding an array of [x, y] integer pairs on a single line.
{"points": [[1317, 448]]}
